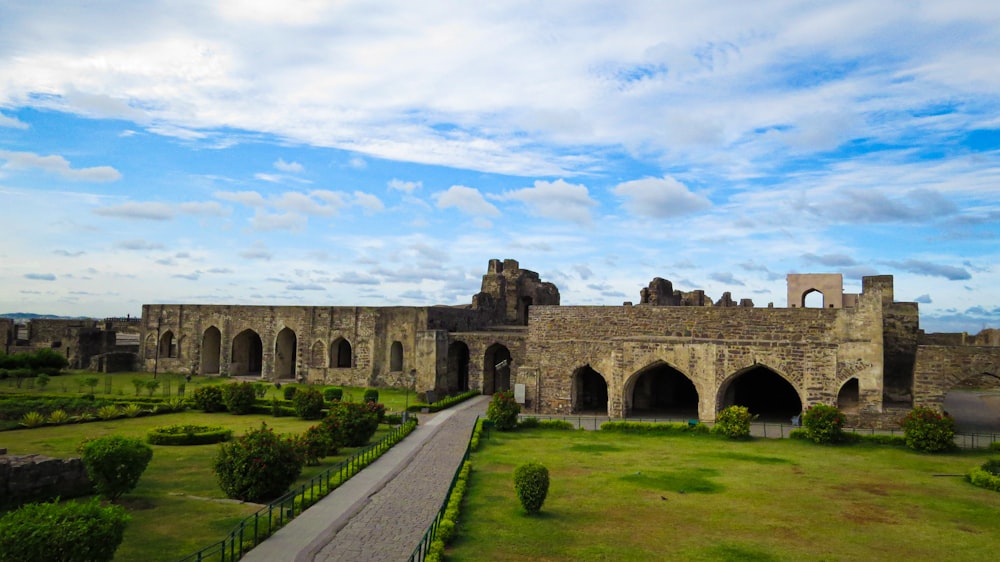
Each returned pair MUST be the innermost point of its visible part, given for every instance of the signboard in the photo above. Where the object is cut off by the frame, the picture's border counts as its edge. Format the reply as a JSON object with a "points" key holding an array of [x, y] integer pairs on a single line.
{"points": [[519, 393]]}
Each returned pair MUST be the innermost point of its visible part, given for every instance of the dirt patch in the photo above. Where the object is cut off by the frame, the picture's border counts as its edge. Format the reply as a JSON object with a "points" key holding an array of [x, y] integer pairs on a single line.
{"points": [[862, 514], [136, 504], [872, 488]]}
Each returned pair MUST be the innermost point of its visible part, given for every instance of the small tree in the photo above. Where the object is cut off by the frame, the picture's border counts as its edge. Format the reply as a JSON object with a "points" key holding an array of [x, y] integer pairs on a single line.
{"points": [[371, 395], [115, 463], [239, 397], [152, 385], [139, 384], [91, 382], [257, 466], [928, 430], [503, 410], [67, 532], [531, 482], [734, 422], [824, 424], [333, 393], [350, 424], [308, 404], [41, 381]]}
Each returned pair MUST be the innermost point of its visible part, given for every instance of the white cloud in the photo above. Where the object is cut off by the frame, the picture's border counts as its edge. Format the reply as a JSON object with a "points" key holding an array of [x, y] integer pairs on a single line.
{"points": [[12, 122], [556, 200], [405, 186], [466, 199], [368, 202], [139, 211], [249, 198], [660, 198], [264, 222], [292, 167], [57, 165]]}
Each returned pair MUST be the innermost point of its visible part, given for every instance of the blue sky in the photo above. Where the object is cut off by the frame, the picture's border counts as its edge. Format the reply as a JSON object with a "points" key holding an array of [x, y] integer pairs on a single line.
{"points": [[341, 153]]}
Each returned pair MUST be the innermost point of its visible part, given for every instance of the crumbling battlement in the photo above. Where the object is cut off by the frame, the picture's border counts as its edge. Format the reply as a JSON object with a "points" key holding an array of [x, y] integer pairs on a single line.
{"points": [[509, 291]]}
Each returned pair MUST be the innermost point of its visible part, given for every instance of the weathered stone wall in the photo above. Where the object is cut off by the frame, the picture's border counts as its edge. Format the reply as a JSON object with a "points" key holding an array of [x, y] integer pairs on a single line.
{"points": [[938, 369], [6, 334], [31, 478], [901, 332]]}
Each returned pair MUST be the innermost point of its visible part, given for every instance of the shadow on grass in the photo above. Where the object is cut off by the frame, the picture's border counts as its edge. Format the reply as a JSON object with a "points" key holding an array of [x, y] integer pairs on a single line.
{"points": [[681, 481], [752, 458], [594, 448]]}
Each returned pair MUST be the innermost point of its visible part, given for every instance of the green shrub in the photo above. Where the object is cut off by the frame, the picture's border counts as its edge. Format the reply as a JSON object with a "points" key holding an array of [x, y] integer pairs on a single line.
{"points": [[289, 392], [139, 384], [446, 402], [257, 466], [108, 412], [823, 423], [371, 395], [531, 482], [59, 417], [131, 410], [41, 381], [115, 463], [528, 423], [992, 466], [984, 478], [556, 424], [928, 430], [188, 435], [33, 419], [260, 389], [350, 424], [995, 446], [653, 427], [503, 410], [152, 385], [239, 397], [209, 399], [734, 422], [315, 445], [67, 532], [276, 408], [333, 394], [91, 382], [308, 404]]}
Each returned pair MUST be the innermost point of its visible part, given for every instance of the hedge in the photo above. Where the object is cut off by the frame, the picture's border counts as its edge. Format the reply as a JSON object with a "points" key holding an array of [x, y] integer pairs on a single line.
{"points": [[443, 403], [68, 532], [188, 435], [653, 427]]}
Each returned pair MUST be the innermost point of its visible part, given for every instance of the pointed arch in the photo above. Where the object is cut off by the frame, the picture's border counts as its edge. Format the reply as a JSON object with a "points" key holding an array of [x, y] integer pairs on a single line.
{"points": [[285, 347], [317, 355], [211, 351], [590, 392], [168, 345], [660, 389], [764, 391], [247, 354], [496, 369], [813, 298], [341, 354], [396, 357]]}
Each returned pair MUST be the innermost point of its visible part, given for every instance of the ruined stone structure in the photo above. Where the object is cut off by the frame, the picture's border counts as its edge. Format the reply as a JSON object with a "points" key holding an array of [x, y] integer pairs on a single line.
{"points": [[37, 478], [675, 354], [107, 345]]}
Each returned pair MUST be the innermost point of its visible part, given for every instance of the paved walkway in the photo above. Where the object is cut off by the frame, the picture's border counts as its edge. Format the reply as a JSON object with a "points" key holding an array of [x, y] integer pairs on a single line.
{"points": [[381, 513]]}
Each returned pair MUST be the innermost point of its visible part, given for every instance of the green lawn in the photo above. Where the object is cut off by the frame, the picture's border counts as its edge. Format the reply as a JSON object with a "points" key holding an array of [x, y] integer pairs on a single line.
{"points": [[689, 497], [177, 507]]}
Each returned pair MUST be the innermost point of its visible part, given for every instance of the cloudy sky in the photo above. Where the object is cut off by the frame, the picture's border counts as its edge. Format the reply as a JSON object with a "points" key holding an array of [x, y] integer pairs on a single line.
{"points": [[380, 153]]}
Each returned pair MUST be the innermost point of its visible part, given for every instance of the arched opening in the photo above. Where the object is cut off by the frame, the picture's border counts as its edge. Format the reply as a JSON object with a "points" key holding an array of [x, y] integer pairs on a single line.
{"points": [[590, 392], [340, 354], [812, 299], [662, 391], [317, 355], [168, 345], [766, 393], [496, 369], [458, 367], [284, 354], [396, 357], [211, 351], [847, 398], [975, 404], [523, 304], [247, 354]]}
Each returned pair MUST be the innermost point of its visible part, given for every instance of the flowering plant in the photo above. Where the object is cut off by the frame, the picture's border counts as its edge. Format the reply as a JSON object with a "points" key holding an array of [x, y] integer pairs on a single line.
{"points": [[929, 430], [824, 424]]}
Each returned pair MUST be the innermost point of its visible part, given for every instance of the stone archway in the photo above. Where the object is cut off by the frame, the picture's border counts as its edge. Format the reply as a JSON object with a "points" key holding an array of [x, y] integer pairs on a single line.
{"points": [[285, 345], [341, 354], [764, 392], [590, 392], [660, 390], [168, 345], [848, 397], [247, 354], [457, 377], [496, 369], [211, 351]]}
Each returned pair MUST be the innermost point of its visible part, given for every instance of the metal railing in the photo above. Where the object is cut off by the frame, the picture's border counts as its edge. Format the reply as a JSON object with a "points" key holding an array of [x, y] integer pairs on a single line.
{"points": [[420, 552], [255, 528]]}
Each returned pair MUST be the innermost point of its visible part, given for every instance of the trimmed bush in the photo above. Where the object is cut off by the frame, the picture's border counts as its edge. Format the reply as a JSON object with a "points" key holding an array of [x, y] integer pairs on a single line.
{"points": [[239, 397], [653, 427], [986, 476], [315, 445], [188, 435], [995, 446], [928, 430], [308, 403], [288, 392], [115, 463], [446, 402], [371, 395], [257, 466], [333, 394], [824, 424], [503, 410], [209, 399], [350, 424], [531, 482], [68, 532], [734, 422]]}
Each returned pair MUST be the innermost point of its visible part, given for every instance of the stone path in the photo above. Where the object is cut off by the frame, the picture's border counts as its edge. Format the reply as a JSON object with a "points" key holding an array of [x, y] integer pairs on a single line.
{"points": [[382, 513]]}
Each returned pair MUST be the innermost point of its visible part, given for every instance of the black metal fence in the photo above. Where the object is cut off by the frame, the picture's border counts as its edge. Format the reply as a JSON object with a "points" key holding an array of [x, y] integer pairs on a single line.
{"points": [[268, 519]]}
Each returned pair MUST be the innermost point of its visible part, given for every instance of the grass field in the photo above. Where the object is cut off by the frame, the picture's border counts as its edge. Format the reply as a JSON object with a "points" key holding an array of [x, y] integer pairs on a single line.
{"points": [[688, 497], [177, 507]]}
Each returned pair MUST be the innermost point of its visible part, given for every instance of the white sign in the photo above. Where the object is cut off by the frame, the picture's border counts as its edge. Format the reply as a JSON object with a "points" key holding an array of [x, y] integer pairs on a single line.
{"points": [[519, 393]]}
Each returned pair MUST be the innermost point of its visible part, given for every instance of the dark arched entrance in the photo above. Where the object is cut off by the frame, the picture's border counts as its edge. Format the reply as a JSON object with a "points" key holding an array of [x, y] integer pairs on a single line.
{"points": [[975, 404], [847, 398], [496, 369], [458, 367], [340, 354], [590, 392], [285, 346], [661, 390], [764, 392], [248, 354], [211, 350]]}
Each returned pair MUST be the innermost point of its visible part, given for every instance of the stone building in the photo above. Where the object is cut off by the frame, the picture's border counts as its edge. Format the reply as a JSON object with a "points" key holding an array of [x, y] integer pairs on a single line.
{"points": [[107, 345]]}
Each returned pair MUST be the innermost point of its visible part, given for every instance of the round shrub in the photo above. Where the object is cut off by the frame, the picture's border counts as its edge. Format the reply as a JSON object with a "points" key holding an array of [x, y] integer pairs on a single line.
{"points": [[992, 466], [115, 463], [315, 445], [333, 394], [288, 392], [503, 411], [371, 395], [188, 435], [239, 398], [824, 424], [928, 430], [70, 532], [734, 422], [350, 424], [209, 399], [257, 466], [531, 482], [308, 403]]}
